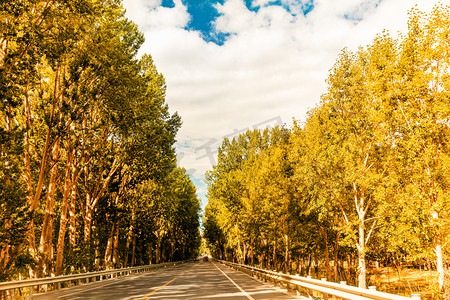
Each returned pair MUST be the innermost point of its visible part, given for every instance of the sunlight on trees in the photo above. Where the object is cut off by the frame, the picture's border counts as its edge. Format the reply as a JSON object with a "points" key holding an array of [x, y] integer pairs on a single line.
{"points": [[88, 176], [365, 181]]}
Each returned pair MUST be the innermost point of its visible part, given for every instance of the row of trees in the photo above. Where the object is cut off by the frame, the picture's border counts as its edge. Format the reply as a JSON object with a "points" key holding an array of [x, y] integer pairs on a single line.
{"points": [[365, 179], [88, 175]]}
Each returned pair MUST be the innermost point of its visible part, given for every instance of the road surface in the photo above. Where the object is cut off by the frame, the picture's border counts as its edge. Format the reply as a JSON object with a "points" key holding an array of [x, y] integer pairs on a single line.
{"points": [[196, 280]]}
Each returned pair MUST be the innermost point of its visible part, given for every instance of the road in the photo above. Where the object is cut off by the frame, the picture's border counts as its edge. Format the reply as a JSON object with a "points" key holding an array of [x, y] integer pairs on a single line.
{"points": [[196, 280]]}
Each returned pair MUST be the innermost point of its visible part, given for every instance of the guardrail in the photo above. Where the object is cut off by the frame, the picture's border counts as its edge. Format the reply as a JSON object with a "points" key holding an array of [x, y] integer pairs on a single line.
{"points": [[8, 288], [326, 288]]}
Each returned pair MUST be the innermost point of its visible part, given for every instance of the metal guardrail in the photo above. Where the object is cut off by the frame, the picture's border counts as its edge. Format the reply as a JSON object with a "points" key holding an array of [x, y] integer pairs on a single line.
{"points": [[56, 281], [342, 290]]}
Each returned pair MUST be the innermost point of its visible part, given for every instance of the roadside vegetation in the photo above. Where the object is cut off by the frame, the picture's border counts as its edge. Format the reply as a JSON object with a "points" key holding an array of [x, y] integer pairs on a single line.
{"points": [[362, 187], [88, 176]]}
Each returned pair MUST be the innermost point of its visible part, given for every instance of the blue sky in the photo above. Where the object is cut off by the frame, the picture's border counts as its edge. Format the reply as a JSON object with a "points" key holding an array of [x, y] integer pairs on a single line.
{"points": [[204, 13], [233, 65]]}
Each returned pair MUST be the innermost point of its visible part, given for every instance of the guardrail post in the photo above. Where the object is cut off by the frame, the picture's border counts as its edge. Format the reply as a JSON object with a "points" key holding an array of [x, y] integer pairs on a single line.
{"points": [[325, 296], [296, 287], [30, 295], [310, 291]]}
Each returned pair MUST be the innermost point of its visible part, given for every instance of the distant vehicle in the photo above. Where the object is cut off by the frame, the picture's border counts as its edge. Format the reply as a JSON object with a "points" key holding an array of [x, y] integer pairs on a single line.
{"points": [[196, 259], [205, 258]]}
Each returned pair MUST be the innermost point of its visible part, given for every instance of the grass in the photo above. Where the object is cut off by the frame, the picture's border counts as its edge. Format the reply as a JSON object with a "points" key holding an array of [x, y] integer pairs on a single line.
{"points": [[406, 281]]}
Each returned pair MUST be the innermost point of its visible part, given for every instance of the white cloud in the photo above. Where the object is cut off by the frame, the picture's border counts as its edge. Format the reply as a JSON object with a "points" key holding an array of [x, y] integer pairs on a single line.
{"points": [[273, 64], [150, 15]]}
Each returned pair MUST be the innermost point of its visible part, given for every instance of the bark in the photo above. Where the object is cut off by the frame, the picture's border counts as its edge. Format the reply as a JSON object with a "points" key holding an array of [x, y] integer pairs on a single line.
{"points": [[88, 219], [241, 258], [274, 255], [133, 252], [439, 262], [287, 258], [361, 209], [47, 146], [93, 198], [324, 232], [72, 218], [46, 243], [130, 238], [3, 50], [27, 173], [34, 196], [245, 253], [69, 187], [447, 284], [115, 253], [336, 251], [361, 256], [5, 251], [109, 248], [158, 234]]}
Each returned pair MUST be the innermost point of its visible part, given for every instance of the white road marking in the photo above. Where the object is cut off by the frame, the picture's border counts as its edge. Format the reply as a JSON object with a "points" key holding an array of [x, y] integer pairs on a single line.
{"points": [[243, 292]]}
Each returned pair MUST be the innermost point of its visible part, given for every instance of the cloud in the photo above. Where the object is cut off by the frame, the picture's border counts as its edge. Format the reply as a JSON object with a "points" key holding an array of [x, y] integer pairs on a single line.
{"points": [[273, 63]]}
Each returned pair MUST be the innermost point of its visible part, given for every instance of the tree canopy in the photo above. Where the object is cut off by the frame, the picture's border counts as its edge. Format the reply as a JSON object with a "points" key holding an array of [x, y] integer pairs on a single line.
{"points": [[88, 175], [365, 179]]}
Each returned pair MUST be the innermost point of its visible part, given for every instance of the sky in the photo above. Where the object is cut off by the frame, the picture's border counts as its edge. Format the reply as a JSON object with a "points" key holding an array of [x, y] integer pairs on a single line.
{"points": [[233, 65]]}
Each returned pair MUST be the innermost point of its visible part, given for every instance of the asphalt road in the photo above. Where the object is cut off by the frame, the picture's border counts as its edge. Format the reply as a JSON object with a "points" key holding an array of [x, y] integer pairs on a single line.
{"points": [[196, 280]]}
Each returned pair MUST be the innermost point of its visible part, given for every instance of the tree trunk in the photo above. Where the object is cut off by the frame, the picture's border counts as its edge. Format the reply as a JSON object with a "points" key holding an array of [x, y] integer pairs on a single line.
{"points": [[361, 209], [87, 218], [72, 218], [447, 284], [3, 49], [46, 242], [133, 252], [115, 253], [274, 255], [336, 251], [361, 256], [63, 222], [109, 248], [438, 251], [327, 254], [287, 258], [68, 197], [241, 258], [127, 246], [439, 262]]}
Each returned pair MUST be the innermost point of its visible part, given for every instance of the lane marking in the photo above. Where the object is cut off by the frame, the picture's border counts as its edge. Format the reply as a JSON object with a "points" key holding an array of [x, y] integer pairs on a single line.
{"points": [[158, 289], [243, 292], [154, 291], [106, 282]]}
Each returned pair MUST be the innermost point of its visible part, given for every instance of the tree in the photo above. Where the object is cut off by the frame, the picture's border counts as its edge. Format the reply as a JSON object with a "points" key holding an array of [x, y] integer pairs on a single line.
{"points": [[84, 128], [420, 125]]}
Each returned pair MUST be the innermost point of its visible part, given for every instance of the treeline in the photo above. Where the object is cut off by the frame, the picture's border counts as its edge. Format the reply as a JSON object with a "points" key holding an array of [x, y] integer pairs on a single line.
{"points": [[88, 176], [364, 181]]}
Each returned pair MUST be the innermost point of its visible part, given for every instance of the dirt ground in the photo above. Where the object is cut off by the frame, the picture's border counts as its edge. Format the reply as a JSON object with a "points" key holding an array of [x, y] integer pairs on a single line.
{"points": [[405, 282]]}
